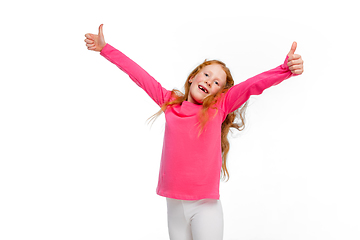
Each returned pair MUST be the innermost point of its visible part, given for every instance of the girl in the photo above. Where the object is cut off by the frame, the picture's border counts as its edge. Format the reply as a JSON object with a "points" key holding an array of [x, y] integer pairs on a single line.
{"points": [[195, 141]]}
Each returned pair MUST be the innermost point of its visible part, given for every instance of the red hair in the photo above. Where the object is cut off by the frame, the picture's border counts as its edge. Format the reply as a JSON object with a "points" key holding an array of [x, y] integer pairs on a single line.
{"points": [[209, 102]]}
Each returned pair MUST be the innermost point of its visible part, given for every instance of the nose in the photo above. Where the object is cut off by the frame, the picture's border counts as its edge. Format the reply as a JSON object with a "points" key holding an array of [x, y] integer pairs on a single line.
{"points": [[208, 82]]}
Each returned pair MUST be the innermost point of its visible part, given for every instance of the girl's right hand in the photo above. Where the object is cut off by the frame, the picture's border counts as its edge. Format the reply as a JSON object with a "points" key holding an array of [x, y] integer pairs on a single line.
{"points": [[95, 42]]}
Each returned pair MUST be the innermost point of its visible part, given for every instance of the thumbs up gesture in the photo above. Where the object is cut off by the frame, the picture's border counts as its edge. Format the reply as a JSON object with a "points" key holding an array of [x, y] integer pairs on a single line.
{"points": [[295, 61], [95, 42]]}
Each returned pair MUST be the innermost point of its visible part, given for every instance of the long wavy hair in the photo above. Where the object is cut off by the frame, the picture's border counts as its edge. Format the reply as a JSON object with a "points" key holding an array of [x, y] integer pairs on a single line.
{"points": [[234, 119]]}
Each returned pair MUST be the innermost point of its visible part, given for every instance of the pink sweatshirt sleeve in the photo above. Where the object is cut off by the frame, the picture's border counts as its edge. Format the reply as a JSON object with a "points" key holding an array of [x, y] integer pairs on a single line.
{"points": [[240, 93], [154, 89]]}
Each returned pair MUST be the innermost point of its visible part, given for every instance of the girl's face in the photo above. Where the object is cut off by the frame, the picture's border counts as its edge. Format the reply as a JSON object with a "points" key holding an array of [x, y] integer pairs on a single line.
{"points": [[210, 80]]}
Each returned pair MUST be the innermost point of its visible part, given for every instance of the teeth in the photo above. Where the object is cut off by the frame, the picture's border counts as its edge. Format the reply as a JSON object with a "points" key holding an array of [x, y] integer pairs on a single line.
{"points": [[203, 89]]}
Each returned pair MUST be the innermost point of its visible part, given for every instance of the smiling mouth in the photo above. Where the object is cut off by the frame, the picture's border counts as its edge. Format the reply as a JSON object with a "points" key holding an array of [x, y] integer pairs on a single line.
{"points": [[203, 89]]}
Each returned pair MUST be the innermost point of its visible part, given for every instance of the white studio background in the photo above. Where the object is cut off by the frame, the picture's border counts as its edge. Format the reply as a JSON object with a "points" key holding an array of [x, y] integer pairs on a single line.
{"points": [[78, 161]]}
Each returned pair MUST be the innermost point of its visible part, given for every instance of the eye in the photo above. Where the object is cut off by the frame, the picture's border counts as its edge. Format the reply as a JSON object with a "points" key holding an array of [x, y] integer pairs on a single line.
{"points": [[206, 74], [217, 83]]}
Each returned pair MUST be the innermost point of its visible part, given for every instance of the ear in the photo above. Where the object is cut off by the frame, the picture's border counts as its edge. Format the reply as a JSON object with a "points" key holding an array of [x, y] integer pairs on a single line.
{"points": [[190, 80]]}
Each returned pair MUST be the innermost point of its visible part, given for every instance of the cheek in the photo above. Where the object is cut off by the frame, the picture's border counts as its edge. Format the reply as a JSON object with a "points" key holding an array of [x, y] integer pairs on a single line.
{"points": [[218, 90], [192, 88], [215, 91], [195, 81]]}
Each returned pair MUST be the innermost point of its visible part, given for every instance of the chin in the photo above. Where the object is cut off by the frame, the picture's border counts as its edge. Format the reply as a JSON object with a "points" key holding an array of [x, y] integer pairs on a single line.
{"points": [[198, 102]]}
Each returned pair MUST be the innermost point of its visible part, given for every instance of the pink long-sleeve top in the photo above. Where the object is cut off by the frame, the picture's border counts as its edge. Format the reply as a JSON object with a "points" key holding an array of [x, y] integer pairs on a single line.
{"points": [[190, 164]]}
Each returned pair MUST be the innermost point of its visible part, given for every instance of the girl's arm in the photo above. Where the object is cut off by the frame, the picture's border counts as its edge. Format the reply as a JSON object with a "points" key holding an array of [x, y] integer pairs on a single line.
{"points": [[154, 89], [240, 93], [97, 43]]}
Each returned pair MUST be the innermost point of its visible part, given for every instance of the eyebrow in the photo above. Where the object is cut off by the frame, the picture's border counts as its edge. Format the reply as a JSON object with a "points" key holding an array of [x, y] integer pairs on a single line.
{"points": [[208, 71], [217, 78]]}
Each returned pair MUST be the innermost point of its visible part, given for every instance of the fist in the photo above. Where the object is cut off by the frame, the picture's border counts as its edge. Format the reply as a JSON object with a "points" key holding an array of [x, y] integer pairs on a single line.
{"points": [[295, 61]]}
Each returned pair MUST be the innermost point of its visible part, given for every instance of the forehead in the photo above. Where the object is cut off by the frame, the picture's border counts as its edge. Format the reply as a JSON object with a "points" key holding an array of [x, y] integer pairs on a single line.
{"points": [[217, 70]]}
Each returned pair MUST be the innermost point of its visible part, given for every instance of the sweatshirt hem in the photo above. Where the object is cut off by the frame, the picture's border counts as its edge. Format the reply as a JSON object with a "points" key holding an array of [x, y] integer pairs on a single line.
{"points": [[188, 197]]}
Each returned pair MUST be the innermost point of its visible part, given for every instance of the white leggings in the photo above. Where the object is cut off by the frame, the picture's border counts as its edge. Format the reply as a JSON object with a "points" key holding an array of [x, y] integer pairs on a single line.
{"points": [[195, 220]]}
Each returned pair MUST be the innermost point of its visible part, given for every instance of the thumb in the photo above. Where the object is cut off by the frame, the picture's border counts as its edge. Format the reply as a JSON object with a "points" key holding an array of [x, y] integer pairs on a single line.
{"points": [[101, 31], [292, 50]]}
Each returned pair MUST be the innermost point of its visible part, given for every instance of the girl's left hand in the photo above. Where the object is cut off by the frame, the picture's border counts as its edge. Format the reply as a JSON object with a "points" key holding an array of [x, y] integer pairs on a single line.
{"points": [[295, 61]]}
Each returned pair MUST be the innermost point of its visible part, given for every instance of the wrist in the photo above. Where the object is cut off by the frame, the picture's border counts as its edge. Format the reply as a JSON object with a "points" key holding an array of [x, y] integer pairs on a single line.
{"points": [[101, 48]]}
